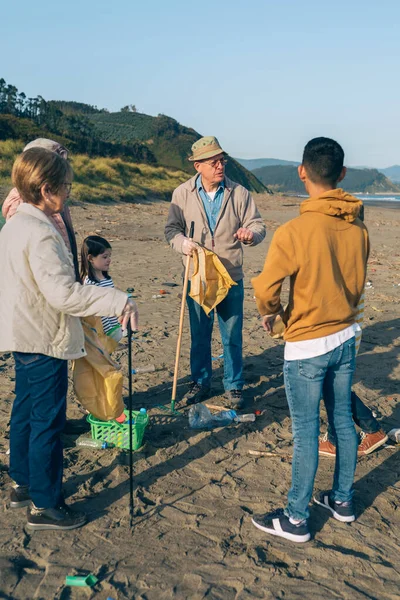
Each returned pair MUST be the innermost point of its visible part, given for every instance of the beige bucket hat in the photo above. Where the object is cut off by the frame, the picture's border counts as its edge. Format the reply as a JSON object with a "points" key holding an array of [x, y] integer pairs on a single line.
{"points": [[206, 147]]}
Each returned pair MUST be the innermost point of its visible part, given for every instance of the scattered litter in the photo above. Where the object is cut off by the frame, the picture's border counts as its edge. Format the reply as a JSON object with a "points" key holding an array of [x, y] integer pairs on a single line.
{"points": [[369, 284], [149, 369], [377, 309], [389, 447], [264, 453], [78, 581], [215, 406], [8, 451], [218, 357], [162, 292], [394, 435], [169, 284], [157, 296], [200, 417]]}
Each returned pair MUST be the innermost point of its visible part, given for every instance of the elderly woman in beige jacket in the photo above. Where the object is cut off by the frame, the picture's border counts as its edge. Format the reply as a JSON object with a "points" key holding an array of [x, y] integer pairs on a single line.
{"points": [[62, 221], [40, 306]]}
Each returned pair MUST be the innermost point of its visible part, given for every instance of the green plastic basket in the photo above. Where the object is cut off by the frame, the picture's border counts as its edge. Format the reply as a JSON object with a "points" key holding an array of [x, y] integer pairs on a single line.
{"points": [[118, 433]]}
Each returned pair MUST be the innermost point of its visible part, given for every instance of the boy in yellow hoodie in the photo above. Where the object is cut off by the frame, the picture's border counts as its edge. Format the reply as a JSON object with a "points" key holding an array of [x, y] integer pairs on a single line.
{"points": [[324, 252]]}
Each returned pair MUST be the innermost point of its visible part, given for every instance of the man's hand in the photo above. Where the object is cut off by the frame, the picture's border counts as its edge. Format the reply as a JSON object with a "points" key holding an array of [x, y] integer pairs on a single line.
{"points": [[244, 235], [130, 314], [188, 246]]}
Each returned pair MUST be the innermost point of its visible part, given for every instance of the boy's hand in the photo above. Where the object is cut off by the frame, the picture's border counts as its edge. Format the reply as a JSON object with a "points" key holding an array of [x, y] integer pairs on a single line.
{"points": [[267, 322], [244, 235]]}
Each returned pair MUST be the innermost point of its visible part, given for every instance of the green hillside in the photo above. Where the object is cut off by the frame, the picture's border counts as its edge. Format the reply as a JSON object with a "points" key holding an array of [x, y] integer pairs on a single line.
{"points": [[284, 179], [168, 140], [84, 128]]}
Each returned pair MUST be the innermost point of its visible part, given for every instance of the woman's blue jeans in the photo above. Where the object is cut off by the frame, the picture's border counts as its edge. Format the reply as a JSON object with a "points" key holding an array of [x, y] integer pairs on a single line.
{"points": [[306, 382], [37, 420], [230, 320]]}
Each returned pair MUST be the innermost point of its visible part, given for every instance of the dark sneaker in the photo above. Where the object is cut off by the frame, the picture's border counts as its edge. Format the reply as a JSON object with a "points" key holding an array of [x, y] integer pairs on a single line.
{"points": [[196, 393], [61, 518], [371, 441], [235, 399], [277, 523], [326, 448], [19, 496], [341, 511]]}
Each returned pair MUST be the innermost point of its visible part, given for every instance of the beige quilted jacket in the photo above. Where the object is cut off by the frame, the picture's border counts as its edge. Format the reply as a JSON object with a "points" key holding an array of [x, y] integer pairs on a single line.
{"points": [[40, 301]]}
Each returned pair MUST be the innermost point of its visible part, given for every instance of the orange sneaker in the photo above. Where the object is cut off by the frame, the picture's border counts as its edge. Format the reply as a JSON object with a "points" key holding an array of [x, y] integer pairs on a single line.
{"points": [[326, 448], [371, 441]]}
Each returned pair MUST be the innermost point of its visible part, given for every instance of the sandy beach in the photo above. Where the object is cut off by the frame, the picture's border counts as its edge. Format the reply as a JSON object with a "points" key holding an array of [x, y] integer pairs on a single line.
{"points": [[195, 491]]}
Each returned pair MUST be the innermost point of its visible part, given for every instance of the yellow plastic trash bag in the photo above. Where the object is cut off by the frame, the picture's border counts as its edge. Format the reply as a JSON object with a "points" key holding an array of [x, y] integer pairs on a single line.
{"points": [[97, 378], [210, 282]]}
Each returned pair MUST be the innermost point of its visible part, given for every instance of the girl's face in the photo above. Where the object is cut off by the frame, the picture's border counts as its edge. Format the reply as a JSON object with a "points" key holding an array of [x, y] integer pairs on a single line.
{"points": [[102, 261]]}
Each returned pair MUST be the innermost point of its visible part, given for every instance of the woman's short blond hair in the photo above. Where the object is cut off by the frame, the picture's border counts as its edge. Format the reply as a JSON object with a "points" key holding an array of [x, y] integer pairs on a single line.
{"points": [[36, 167]]}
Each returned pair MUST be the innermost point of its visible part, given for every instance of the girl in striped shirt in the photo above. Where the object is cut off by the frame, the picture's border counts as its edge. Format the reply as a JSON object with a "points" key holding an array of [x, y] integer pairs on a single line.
{"points": [[95, 262]]}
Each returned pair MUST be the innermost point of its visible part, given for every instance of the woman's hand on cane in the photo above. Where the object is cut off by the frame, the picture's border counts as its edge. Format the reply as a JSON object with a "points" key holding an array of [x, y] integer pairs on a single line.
{"points": [[130, 314]]}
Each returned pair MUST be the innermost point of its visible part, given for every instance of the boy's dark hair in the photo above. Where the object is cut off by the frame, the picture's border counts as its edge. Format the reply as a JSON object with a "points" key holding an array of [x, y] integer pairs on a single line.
{"points": [[323, 160], [94, 245]]}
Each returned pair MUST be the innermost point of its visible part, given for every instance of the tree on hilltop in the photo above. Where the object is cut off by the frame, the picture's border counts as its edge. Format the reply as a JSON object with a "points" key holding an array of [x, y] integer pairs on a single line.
{"points": [[129, 108]]}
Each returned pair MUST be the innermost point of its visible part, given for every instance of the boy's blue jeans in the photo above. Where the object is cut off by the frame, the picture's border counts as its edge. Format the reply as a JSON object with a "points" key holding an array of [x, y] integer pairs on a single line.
{"points": [[306, 381], [230, 320], [37, 420]]}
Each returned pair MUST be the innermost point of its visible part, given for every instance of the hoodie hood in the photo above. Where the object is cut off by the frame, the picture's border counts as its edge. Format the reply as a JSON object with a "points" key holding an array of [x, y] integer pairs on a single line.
{"points": [[335, 203]]}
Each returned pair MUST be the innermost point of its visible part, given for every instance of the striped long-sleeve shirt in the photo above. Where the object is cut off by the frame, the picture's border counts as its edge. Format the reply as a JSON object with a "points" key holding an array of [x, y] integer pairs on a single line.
{"points": [[110, 324]]}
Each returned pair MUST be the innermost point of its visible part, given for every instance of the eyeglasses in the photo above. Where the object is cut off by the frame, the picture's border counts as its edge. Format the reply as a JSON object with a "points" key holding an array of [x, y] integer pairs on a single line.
{"points": [[67, 185], [214, 163]]}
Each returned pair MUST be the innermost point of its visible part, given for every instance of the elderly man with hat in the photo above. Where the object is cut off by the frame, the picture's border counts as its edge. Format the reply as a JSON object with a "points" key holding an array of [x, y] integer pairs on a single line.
{"points": [[225, 218]]}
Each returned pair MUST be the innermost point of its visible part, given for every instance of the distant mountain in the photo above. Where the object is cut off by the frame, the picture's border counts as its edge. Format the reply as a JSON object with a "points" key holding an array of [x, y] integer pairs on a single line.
{"points": [[281, 178], [256, 163], [393, 173]]}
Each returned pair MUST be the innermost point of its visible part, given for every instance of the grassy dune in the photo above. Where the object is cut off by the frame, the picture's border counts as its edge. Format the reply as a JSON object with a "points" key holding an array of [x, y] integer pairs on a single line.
{"points": [[102, 179]]}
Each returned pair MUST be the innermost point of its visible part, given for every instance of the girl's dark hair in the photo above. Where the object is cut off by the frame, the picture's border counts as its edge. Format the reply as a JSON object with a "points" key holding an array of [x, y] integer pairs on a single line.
{"points": [[94, 245]]}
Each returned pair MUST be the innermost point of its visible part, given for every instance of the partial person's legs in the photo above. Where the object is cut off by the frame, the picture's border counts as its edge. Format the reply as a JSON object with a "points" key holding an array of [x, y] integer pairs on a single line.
{"points": [[230, 319], [201, 327], [363, 416]]}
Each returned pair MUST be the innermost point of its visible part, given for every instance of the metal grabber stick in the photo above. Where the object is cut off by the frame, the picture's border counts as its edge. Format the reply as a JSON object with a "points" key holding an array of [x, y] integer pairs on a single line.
{"points": [[181, 319], [130, 425]]}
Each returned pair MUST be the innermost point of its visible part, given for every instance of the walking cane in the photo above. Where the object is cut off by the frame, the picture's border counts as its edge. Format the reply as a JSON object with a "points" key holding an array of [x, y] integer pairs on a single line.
{"points": [[181, 319], [130, 425]]}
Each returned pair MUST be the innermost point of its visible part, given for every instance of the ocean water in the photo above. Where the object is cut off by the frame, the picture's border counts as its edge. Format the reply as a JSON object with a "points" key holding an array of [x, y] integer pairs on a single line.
{"points": [[376, 198], [388, 200]]}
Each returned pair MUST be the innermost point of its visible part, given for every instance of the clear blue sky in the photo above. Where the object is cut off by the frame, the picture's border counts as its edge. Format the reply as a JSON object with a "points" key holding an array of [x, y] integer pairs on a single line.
{"points": [[264, 76]]}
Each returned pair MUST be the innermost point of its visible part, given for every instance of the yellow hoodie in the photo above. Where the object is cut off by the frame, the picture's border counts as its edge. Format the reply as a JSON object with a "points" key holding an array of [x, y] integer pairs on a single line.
{"points": [[324, 251]]}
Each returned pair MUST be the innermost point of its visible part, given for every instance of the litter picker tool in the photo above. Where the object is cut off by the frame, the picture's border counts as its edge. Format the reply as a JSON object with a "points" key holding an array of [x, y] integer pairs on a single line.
{"points": [[130, 425], [181, 319]]}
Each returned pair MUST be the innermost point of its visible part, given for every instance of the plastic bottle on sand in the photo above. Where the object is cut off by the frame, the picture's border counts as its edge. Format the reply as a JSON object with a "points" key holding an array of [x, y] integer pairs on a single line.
{"points": [[200, 417], [86, 442]]}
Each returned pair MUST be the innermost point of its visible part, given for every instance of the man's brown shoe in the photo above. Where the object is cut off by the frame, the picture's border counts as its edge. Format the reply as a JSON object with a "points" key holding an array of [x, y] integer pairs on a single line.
{"points": [[326, 448], [371, 441]]}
